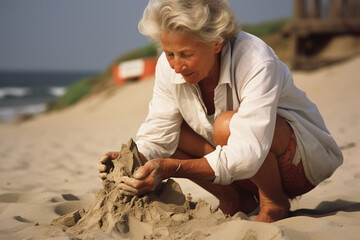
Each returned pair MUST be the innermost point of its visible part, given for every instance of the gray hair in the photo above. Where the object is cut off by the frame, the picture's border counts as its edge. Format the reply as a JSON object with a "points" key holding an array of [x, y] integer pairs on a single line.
{"points": [[208, 20]]}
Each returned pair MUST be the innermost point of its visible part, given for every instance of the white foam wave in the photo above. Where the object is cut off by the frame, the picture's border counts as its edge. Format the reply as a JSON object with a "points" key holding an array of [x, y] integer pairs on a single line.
{"points": [[14, 92], [57, 91], [11, 114]]}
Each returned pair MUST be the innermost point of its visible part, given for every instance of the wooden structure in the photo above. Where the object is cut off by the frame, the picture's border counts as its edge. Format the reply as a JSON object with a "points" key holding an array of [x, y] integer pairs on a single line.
{"points": [[316, 24]]}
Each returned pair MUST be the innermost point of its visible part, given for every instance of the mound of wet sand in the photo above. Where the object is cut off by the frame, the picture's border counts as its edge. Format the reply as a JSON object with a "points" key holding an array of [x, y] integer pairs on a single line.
{"points": [[164, 213]]}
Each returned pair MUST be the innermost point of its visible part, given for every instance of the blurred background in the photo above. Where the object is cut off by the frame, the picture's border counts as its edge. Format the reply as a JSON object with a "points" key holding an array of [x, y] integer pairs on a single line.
{"points": [[53, 53]]}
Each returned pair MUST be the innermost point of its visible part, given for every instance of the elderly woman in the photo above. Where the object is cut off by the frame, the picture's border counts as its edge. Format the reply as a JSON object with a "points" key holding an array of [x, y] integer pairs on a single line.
{"points": [[226, 114]]}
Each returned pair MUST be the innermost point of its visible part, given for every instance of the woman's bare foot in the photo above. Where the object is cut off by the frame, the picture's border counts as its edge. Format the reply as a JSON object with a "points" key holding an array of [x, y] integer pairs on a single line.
{"points": [[273, 211], [232, 198], [237, 200]]}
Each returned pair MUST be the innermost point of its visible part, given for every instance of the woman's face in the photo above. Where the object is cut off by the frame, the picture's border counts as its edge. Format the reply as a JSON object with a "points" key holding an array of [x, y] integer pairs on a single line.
{"points": [[193, 59]]}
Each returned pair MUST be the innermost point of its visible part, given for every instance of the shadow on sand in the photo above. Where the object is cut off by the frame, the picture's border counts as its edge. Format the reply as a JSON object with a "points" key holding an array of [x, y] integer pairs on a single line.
{"points": [[328, 208]]}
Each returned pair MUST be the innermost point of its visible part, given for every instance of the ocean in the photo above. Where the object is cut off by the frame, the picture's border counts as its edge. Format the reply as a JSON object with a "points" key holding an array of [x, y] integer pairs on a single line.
{"points": [[24, 94]]}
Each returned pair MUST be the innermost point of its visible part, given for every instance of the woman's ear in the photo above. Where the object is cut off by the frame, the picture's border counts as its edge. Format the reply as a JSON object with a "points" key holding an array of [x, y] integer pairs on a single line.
{"points": [[218, 47]]}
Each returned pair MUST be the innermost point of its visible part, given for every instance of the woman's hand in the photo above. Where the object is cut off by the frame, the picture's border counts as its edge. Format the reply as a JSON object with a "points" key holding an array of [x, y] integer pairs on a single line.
{"points": [[144, 180], [149, 176], [105, 164]]}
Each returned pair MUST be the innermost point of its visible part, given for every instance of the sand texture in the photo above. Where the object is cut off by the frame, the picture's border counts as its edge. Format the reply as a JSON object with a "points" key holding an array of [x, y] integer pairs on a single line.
{"points": [[48, 170], [164, 213]]}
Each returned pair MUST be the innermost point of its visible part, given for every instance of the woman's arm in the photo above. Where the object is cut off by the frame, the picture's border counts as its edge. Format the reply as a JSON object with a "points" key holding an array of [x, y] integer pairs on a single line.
{"points": [[148, 177], [158, 135]]}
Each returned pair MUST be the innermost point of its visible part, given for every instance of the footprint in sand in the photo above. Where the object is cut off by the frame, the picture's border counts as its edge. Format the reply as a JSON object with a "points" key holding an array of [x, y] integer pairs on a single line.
{"points": [[70, 204], [64, 208], [16, 197], [27, 197], [67, 197], [357, 175], [70, 197], [24, 220]]}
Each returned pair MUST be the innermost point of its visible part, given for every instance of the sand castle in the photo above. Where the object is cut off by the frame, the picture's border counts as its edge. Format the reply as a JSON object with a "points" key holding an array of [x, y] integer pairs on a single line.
{"points": [[163, 213]]}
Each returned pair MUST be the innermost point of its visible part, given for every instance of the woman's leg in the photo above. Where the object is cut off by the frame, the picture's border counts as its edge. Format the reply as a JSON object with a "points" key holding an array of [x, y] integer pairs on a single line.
{"points": [[266, 183], [233, 197], [274, 203], [273, 200]]}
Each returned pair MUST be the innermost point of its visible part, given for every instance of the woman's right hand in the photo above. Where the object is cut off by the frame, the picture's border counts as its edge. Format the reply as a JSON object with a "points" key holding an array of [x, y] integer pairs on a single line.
{"points": [[105, 164]]}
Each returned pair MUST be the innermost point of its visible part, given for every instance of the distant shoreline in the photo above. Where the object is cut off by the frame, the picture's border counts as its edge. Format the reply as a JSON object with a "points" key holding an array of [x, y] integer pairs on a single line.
{"points": [[24, 94]]}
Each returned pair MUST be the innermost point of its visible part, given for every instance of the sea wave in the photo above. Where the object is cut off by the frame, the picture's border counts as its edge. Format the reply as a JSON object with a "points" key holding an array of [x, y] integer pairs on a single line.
{"points": [[20, 92], [22, 102], [23, 94], [12, 114], [57, 91], [14, 92]]}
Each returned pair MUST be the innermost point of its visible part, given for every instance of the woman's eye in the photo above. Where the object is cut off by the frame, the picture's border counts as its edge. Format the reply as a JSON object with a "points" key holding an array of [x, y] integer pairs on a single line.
{"points": [[186, 55]]}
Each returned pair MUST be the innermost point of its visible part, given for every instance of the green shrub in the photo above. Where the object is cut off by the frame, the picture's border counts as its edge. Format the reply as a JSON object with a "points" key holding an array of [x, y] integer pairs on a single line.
{"points": [[73, 94], [265, 28]]}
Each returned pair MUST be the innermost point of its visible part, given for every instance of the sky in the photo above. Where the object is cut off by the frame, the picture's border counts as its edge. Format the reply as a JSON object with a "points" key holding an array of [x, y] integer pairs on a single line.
{"points": [[87, 35]]}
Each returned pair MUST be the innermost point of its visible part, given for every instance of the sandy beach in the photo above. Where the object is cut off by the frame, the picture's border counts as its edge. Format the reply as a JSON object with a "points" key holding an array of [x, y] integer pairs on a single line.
{"points": [[48, 165]]}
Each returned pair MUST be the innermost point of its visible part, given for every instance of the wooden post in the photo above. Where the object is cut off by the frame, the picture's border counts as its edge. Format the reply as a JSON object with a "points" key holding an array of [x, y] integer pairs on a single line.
{"points": [[353, 9], [315, 9], [299, 9], [336, 9]]}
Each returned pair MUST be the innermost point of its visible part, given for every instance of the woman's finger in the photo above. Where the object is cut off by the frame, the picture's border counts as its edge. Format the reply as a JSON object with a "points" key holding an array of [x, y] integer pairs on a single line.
{"points": [[146, 170], [140, 185], [101, 167], [102, 175], [104, 159], [142, 172], [132, 182], [128, 188]]}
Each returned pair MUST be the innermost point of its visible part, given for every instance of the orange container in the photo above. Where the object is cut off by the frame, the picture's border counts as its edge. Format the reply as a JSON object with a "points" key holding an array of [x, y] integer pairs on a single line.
{"points": [[139, 69]]}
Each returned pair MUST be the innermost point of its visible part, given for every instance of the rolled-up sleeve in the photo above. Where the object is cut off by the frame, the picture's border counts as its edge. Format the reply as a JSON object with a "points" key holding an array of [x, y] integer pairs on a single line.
{"points": [[252, 127], [158, 136]]}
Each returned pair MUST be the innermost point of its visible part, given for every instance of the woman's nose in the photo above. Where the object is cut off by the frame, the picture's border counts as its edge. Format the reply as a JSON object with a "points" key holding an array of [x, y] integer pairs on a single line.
{"points": [[178, 65]]}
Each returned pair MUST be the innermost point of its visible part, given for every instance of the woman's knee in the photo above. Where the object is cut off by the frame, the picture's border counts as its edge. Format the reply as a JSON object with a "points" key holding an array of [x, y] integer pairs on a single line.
{"points": [[281, 137], [192, 144], [222, 128]]}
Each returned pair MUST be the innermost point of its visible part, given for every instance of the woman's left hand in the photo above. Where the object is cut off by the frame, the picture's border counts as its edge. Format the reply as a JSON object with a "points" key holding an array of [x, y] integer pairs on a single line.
{"points": [[144, 180]]}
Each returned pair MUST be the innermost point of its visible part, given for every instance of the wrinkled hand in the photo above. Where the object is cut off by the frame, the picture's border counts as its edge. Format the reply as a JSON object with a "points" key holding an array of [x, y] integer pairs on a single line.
{"points": [[144, 180], [105, 164]]}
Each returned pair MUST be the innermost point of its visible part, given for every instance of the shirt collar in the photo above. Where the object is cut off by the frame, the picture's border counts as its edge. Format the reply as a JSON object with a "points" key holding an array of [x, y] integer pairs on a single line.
{"points": [[225, 76], [224, 68]]}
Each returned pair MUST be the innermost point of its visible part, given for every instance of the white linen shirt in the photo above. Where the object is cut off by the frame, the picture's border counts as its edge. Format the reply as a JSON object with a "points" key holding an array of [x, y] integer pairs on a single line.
{"points": [[259, 86]]}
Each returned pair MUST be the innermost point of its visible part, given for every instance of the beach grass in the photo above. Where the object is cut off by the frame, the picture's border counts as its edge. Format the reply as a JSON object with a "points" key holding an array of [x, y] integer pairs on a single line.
{"points": [[73, 94], [266, 28]]}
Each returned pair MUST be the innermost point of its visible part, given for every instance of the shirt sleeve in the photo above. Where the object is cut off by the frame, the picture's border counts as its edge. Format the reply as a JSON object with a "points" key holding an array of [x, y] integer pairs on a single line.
{"points": [[252, 127], [158, 136]]}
